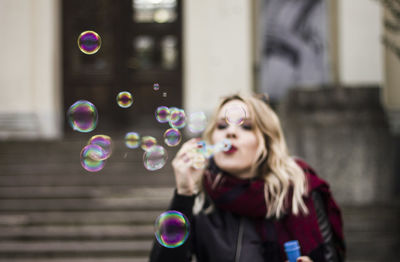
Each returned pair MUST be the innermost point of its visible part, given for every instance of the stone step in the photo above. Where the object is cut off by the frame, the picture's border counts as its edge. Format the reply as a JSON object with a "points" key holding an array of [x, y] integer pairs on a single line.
{"points": [[95, 204], [59, 192], [15, 249], [84, 178], [378, 249], [85, 217], [82, 259], [74, 168], [73, 232]]}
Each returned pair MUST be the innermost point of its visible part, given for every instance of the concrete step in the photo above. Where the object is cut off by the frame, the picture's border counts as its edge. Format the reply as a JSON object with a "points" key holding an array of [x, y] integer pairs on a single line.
{"points": [[66, 218], [60, 192], [131, 177], [78, 232], [15, 249], [82, 259], [95, 204]]}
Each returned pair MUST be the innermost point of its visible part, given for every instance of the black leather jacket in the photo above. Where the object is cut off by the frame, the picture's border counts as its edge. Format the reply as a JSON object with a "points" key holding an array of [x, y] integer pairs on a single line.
{"points": [[221, 236]]}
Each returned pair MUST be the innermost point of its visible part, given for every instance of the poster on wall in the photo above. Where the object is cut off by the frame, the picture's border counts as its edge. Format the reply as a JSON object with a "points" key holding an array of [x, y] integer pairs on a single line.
{"points": [[294, 46]]}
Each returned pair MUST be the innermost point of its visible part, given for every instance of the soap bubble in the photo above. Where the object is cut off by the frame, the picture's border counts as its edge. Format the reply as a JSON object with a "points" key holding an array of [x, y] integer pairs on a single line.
{"points": [[89, 42], [156, 86], [124, 99], [82, 116], [172, 229], [177, 118], [172, 137], [197, 122], [89, 156], [155, 158], [223, 145], [235, 115], [148, 142], [132, 140], [199, 161], [162, 114], [104, 142]]}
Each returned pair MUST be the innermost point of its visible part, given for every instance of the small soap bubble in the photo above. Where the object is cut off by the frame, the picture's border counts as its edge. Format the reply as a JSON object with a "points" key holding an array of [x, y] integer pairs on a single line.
{"points": [[210, 151], [132, 140], [124, 99], [235, 115], [104, 142], [223, 145], [177, 118], [148, 142], [172, 229], [89, 42], [197, 122], [155, 158], [82, 116], [205, 149], [162, 114], [227, 144], [156, 86], [199, 161], [88, 156], [172, 137]]}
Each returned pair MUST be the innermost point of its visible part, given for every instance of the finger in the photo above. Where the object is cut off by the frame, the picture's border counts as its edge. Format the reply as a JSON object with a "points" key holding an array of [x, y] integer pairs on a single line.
{"points": [[188, 146]]}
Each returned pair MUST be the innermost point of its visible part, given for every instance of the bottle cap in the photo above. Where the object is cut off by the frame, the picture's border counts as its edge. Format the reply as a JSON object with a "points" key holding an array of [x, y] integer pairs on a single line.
{"points": [[291, 245]]}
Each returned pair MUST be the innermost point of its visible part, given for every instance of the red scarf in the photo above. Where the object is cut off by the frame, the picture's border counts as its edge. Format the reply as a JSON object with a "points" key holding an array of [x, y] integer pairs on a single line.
{"points": [[245, 197]]}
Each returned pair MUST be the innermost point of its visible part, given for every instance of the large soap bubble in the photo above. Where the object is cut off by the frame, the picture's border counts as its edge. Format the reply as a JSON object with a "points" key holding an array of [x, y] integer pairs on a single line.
{"points": [[172, 229], [82, 116]]}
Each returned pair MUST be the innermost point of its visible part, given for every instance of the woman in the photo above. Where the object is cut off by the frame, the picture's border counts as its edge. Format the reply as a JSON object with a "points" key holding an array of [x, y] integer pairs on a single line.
{"points": [[252, 198]]}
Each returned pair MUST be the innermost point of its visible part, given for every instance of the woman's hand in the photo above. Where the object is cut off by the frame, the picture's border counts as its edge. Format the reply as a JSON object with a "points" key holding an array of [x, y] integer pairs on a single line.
{"points": [[187, 178], [302, 259]]}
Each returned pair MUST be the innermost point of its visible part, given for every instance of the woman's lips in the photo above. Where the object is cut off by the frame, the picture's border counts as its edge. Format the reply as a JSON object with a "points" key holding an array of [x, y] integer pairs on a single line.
{"points": [[232, 150]]}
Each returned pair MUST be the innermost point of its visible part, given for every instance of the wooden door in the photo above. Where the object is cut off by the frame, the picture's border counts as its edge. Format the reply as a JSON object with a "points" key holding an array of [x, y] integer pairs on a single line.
{"points": [[141, 46]]}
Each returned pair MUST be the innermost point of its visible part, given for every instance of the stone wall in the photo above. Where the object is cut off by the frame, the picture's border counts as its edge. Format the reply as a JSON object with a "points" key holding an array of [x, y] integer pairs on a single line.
{"points": [[343, 133]]}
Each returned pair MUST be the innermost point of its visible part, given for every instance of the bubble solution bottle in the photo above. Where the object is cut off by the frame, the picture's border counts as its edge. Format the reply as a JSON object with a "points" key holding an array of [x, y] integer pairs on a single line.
{"points": [[292, 249]]}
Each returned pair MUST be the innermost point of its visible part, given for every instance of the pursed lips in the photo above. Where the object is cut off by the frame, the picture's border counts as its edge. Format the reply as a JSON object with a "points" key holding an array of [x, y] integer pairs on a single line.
{"points": [[232, 150]]}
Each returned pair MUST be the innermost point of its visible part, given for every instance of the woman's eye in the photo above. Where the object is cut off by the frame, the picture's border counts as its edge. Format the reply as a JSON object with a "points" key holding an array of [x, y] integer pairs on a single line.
{"points": [[221, 126], [247, 127]]}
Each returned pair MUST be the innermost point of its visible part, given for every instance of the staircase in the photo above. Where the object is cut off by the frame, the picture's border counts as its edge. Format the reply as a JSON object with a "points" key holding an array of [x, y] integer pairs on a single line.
{"points": [[52, 210]]}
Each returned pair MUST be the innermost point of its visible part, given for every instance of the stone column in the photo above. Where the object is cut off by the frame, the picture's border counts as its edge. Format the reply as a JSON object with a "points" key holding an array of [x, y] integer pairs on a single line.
{"points": [[391, 90]]}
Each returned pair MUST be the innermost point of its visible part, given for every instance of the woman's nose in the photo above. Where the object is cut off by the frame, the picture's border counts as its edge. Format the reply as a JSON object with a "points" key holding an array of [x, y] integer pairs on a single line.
{"points": [[231, 132]]}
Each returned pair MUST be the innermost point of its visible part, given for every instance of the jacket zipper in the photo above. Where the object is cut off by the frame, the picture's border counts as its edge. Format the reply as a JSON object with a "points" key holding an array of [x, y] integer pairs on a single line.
{"points": [[239, 241]]}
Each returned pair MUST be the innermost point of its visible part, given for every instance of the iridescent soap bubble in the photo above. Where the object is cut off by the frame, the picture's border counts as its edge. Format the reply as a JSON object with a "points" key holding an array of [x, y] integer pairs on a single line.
{"points": [[147, 142], [89, 42], [235, 115], [223, 145], [132, 140], [199, 161], [89, 156], [82, 116], [155, 158], [156, 86], [124, 99], [172, 137], [104, 142], [172, 229], [197, 122], [209, 151], [162, 114], [177, 118]]}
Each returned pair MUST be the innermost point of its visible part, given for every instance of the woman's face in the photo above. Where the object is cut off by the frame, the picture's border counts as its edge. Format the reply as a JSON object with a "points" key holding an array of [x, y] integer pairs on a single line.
{"points": [[243, 153]]}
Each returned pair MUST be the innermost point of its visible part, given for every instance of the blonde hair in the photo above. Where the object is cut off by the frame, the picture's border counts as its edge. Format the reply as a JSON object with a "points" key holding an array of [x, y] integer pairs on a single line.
{"points": [[283, 177]]}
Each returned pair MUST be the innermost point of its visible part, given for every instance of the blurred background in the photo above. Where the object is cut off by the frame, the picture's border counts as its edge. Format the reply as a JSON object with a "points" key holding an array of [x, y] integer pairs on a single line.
{"points": [[331, 69]]}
